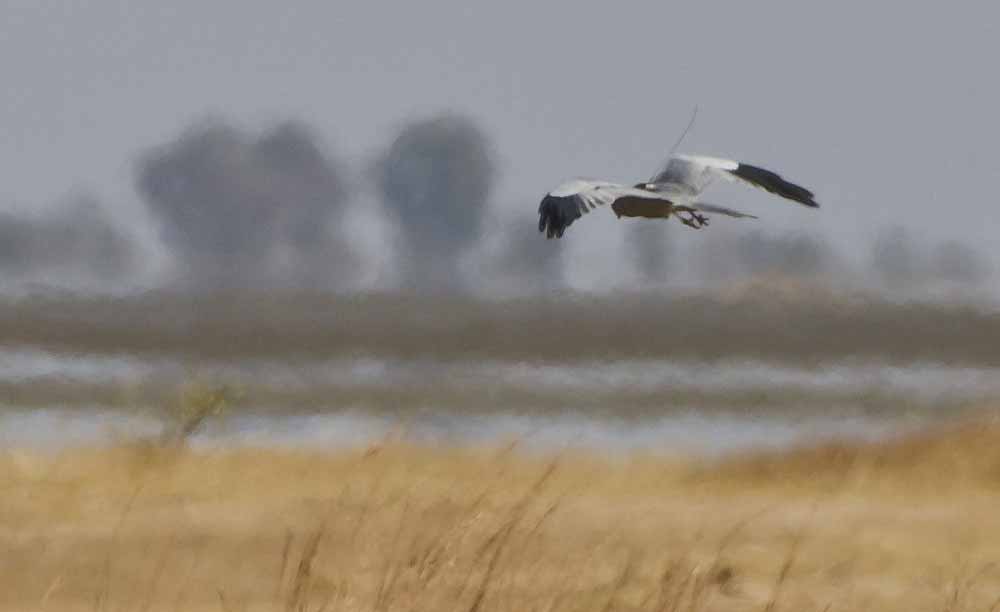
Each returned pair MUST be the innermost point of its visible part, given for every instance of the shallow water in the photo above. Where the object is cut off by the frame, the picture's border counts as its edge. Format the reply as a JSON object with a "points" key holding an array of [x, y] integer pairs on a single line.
{"points": [[55, 429], [649, 405], [920, 381]]}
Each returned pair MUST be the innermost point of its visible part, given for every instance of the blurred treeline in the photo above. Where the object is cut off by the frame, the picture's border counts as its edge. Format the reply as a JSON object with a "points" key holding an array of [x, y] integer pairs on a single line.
{"points": [[279, 208]]}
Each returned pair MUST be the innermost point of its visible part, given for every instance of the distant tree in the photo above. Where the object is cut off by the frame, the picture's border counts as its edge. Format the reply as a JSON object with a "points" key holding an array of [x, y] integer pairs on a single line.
{"points": [[895, 258], [528, 261], [76, 240], [240, 210], [959, 263], [436, 180], [792, 255], [651, 251]]}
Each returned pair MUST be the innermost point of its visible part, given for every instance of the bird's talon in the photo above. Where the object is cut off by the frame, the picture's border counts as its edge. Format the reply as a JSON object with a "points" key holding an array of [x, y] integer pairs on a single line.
{"points": [[694, 220]]}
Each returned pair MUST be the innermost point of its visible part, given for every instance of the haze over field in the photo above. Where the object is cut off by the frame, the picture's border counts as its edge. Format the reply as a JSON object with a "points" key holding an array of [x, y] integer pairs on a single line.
{"points": [[231, 208], [259, 143]]}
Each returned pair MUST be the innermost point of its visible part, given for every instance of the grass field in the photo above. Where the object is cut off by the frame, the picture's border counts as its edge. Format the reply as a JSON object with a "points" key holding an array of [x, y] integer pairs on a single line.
{"points": [[908, 524]]}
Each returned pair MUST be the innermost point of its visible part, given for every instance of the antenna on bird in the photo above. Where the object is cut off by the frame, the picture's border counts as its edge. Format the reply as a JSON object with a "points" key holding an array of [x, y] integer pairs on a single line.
{"points": [[694, 115]]}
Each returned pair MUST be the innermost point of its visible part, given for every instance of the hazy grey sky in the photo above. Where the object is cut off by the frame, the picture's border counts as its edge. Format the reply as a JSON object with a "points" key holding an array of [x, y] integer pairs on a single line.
{"points": [[888, 111]]}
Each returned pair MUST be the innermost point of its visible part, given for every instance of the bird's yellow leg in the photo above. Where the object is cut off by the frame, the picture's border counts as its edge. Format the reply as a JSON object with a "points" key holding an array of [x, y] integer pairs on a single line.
{"points": [[693, 219]]}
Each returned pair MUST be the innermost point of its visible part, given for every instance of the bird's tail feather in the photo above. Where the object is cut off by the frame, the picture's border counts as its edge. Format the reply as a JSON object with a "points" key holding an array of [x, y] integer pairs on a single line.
{"points": [[722, 210]]}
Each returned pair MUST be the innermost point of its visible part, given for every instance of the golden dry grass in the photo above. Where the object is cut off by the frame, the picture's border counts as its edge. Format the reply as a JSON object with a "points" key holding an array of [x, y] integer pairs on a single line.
{"points": [[908, 525]]}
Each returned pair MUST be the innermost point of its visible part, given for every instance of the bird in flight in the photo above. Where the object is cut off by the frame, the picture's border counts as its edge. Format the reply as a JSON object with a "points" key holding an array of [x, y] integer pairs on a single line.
{"points": [[672, 192]]}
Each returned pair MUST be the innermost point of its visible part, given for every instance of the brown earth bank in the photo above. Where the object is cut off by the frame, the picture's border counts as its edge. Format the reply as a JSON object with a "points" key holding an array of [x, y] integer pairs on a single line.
{"points": [[798, 325], [906, 524]]}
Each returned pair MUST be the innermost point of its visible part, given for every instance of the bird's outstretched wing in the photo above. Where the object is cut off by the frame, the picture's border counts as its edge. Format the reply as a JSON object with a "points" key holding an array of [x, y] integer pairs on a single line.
{"points": [[573, 199], [692, 174]]}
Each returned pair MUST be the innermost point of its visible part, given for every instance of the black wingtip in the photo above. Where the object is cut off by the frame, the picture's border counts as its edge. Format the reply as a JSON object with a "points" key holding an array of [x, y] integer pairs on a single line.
{"points": [[552, 217], [775, 184]]}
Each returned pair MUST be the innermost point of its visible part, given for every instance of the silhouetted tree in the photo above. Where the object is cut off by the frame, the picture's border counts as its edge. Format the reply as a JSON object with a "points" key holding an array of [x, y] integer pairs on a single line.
{"points": [[239, 210], [959, 263], [76, 240], [896, 260], [528, 262], [651, 250], [436, 180], [792, 255]]}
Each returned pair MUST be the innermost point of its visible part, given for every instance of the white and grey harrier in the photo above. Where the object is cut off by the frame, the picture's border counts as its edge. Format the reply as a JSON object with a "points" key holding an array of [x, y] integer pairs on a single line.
{"points": [[673, 192]]}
